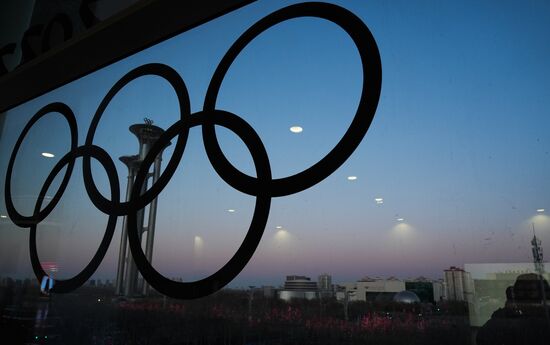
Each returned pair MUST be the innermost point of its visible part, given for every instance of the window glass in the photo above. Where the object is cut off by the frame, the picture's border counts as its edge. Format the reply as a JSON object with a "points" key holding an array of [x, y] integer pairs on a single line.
{"points": [[430, 232]]}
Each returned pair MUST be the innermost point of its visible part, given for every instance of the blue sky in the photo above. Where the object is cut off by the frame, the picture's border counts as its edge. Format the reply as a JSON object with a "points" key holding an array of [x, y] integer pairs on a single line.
{"points": [[458, 148]]}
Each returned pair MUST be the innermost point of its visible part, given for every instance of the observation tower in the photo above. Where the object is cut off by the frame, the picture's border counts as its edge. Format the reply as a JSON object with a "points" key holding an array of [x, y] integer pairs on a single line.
{"points": [[127, 273]]}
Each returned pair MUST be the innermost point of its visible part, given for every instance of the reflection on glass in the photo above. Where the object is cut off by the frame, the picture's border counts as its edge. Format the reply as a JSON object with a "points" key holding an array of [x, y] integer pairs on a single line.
{"points": [[430, 241]]}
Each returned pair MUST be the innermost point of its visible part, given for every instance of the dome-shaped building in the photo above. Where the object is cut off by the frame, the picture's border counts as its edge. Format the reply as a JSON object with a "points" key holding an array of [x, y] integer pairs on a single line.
{"points": [[406, 296]]}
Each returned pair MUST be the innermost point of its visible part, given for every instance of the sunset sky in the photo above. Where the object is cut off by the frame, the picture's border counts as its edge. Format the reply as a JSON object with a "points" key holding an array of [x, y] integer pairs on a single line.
{"points": [[459, 147]]}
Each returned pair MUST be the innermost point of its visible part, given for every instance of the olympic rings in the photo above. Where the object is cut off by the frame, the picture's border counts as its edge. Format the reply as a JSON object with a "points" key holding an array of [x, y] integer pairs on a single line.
{"points": [[239, 260], [177, 83], [63, 286], [38, 216], [372, 83], [263, 186]]}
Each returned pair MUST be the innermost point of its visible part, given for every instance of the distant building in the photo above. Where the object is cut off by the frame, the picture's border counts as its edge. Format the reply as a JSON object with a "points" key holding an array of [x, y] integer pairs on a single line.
{"points": [[428, 290], [438, 290], [459, 285], [299, 283], [324, 283], [268, 291], [298, 287], [372, 289], [423, 289]]}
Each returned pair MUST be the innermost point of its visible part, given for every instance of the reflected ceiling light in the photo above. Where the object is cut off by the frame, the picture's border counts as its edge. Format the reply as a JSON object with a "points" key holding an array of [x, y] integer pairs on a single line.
{"points": [[278, 227], [379, 200], [540, 210], [296, 129], [47, 155], [231, 210], [400, 219], [352, 178], [198, 244], [3, 216], [281, 234]]}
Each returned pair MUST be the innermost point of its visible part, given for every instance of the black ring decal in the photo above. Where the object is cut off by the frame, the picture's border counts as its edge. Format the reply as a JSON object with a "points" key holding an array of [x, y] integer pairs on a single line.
{"points": [[235, 265], [372, 82], [62, 286], [263, 186], [170, 75], [39, 215]]}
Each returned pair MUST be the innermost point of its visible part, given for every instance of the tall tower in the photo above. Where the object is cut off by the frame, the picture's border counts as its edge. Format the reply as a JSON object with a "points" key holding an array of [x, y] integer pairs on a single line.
{"points": [[127, 274], [536, 245]]}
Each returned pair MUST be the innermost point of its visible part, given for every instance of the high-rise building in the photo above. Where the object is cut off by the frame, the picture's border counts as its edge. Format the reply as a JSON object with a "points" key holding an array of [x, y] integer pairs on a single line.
{"points": [[459, 285], [324, 282]]}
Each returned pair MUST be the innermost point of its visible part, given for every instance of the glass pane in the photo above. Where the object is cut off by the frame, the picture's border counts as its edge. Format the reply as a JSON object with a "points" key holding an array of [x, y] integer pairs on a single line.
{"points": [[431, 232]]}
